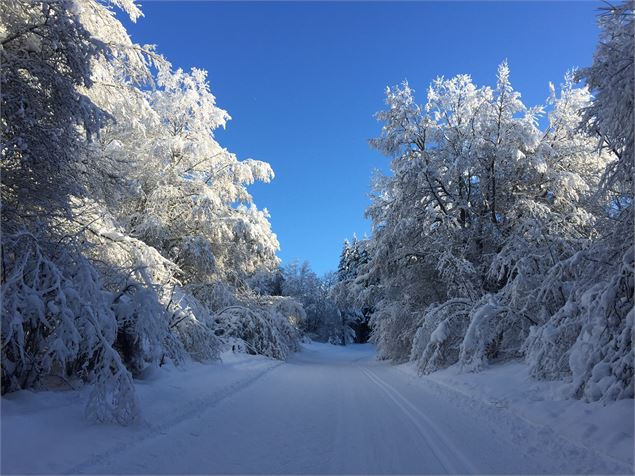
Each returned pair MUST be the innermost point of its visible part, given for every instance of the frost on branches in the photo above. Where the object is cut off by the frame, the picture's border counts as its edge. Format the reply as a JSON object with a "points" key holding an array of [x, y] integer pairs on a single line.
{"points": [[494, 239], [611, 77], [58, 325], [122, 215]]}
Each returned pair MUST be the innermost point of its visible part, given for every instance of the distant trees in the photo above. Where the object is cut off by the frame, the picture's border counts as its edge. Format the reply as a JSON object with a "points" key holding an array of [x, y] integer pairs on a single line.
{"points": [[495, 239], [330, 313], [324, 320], [354, 255]]}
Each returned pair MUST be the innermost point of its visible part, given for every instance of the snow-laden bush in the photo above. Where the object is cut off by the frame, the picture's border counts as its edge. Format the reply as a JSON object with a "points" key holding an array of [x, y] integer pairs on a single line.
{"points": [[138, 277], [155, 324], [394, 327], [286, 313], [256, 324], [194, 326], [437, 341], [483, 335], [590, 337], [144, 338], [288, 307], [343, 335], [215, 296], [58, 320], [263, 328]]}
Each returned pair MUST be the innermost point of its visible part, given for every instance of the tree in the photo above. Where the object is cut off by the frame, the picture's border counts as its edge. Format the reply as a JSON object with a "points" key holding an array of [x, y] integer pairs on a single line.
{"points": [[589, 296], [354, 255], [323, 320], [490, 239], [611, 79], [440, 217], [59, 322], [127, 228]]}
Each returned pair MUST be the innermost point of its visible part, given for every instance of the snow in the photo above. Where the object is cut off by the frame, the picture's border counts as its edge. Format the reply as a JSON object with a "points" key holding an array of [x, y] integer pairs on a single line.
{"points": [[52, 426], [607, 429], [329, 409]]}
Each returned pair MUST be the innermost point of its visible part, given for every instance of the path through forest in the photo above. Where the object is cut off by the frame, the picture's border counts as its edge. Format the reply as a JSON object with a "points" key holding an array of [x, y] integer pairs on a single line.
{"points": [[329, 409]]}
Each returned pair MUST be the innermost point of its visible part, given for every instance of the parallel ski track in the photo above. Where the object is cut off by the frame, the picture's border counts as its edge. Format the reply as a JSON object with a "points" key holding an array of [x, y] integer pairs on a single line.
{"points": [[448, 456], [193, 409]]}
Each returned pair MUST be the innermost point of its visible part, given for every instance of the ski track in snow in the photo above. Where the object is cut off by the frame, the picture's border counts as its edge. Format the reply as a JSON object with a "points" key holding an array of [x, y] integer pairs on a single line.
{"points": [[534, 438], [328, 410], [451, 459], [193, 410]]}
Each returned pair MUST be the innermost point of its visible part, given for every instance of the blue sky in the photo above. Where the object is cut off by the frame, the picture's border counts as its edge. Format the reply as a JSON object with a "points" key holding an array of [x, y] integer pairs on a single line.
{"points": [[302, 81]]}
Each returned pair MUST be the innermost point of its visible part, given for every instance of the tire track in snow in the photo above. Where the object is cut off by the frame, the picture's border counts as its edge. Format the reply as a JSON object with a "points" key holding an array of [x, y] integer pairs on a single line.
{"points": [[448, 456], [193, 409]]}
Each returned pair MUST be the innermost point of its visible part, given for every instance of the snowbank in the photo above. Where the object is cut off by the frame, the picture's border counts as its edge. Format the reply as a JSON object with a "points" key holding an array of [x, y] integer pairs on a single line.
{"points": [[607, 429], [49, 434]]}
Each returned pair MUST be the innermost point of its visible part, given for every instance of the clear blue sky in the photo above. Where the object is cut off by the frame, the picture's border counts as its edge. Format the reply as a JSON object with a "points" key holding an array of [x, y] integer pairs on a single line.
{"points": [[303, 80]]}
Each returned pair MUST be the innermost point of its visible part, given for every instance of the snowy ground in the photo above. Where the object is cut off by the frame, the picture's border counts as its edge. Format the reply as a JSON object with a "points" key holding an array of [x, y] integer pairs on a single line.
{"points": [[328, 410]]}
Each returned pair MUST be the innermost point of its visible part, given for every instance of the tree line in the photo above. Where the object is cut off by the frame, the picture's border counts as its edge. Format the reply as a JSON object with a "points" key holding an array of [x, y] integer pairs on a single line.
{"points": [[505, 231]]}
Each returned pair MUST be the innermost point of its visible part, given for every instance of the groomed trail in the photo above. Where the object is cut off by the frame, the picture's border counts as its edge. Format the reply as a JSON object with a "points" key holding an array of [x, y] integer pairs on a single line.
{"points": [[329, 409]]}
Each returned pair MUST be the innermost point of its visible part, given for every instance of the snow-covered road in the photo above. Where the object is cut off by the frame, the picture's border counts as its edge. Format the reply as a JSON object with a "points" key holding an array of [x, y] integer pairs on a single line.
{"points": [[327, 410]]}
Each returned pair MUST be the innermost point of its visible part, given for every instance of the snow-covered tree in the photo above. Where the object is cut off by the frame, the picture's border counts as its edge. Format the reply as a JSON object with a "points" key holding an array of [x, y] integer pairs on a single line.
{"points": [[125, 223], [460, 163], [58, 319], [186, 195], [323, 320], [263, 325], [354, 255], [611, 78], [488, 234], [589, 296]]}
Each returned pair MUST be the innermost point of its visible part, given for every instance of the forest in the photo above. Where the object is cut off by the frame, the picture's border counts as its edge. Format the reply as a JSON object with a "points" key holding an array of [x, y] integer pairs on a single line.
{"points": [[130, 240]]}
